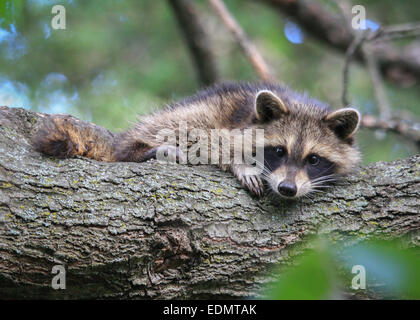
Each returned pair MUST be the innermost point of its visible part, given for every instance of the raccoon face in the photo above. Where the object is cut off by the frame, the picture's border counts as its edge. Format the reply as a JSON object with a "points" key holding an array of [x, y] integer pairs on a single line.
{"points": [[307, 147]]}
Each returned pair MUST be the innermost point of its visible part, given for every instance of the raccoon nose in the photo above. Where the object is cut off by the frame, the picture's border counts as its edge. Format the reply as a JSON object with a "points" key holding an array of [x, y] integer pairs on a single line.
{"points": [[287, 189]]}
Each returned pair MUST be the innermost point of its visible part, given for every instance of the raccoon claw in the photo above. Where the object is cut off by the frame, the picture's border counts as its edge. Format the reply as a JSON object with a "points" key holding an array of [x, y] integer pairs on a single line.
{"points": [[249, 181], [254, 184]]}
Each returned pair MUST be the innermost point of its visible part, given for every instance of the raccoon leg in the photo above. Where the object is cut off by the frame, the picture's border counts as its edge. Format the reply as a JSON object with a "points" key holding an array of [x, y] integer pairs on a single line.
{"points": [[249, 178]]}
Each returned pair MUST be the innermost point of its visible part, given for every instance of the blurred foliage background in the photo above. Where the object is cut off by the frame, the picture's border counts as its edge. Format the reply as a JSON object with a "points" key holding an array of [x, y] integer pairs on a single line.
{"points": [[120, 58], [373, 269]]}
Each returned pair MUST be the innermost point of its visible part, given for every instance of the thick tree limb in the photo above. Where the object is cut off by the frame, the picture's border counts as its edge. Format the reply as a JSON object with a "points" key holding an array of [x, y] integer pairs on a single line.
{"points": [[129, 230]]}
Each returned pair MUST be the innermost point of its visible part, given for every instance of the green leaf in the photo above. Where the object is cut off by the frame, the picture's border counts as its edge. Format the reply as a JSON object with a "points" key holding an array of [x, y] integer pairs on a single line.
{"points": [[311, 279]]}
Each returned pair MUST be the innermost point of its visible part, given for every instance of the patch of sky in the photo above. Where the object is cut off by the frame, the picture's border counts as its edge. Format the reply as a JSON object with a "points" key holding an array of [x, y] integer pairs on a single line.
{"points": [[48, 2], [103, 82], [14, 94], [371, 25], [53, 98], [293, 32], [47, 30], [54, 79], [13, 42]]}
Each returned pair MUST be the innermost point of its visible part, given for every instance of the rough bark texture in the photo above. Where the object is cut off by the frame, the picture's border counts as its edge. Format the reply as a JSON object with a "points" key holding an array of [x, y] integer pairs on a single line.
{"points": [[128, 230]]}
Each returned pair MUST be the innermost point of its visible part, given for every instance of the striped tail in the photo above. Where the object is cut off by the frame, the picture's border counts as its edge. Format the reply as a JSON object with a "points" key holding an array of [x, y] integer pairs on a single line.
{"points": [[63, 136]]}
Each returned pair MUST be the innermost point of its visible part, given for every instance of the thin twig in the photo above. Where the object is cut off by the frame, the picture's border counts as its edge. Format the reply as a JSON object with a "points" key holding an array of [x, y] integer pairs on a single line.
{"points": [[410, 131], [246, 45], [371, 63], [377, 81], [396, 64], [354, 46], [197, 40], [395, 32]]}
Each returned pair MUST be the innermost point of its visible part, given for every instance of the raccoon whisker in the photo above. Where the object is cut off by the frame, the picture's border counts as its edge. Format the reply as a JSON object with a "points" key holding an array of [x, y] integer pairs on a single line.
{"points": [[309, 195], [320, 175], [265, 177], [268, 165], [313, 193], [323, 177], [330, 176], [319, 188], [321, 182], [316, 187], [265, 173], [305, 184], [265, 165], [319, 192], [266, 170], [272, 195]]}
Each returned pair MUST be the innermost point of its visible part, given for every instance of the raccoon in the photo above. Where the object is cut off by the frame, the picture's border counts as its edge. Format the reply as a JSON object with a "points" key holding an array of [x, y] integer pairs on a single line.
{"points": [[306, 145]]}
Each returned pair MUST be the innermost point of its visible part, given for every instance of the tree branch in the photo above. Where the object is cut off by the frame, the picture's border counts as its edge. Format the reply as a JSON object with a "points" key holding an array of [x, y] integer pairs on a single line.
{"points": [[410, 131], [354, 46], [149, 230], [378, 86], [250, 50], [397, 65], [371, 63], [395, 32], [197, 40]]}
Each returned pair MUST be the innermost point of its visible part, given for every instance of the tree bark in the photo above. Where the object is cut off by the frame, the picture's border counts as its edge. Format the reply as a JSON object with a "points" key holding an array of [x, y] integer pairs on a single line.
{"points": [[149, 230]]}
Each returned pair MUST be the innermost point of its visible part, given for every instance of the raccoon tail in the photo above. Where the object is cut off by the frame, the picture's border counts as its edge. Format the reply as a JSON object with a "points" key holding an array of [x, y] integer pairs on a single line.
{"points": [[63, 136]]}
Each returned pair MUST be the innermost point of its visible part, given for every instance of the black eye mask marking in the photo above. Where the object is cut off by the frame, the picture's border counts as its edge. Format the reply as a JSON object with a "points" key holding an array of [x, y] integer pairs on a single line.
{"points": [[320, 168], [274, 157]]}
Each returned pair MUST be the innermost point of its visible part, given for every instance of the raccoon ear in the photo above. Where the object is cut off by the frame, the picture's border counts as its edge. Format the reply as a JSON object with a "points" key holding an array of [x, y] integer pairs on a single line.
{"points": [[268, 106], [344, 122]]}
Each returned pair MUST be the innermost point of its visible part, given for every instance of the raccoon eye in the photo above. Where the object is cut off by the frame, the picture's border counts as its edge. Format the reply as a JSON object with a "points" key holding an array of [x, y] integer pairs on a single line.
{"points": [[280, 151], [313, 160]]}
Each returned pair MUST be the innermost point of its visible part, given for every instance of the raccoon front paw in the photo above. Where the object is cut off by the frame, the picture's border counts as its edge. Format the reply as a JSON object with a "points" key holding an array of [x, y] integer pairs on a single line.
{"points": [[254, 184], [249, 181]]}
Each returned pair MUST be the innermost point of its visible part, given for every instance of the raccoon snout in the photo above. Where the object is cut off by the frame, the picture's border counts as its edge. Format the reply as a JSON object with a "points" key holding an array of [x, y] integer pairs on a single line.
{"points": [[287, 189]]}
